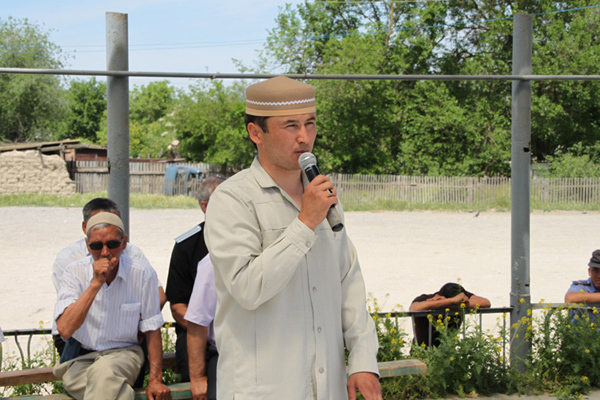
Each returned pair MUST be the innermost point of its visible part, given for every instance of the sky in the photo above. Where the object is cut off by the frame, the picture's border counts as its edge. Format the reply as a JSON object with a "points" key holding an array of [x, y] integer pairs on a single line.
{"points": [[164, 35]]}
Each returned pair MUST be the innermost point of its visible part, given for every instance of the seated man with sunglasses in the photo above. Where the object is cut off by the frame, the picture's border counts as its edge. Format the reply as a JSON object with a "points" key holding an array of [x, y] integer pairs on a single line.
{"points": [[103, 301], [79, 250]]}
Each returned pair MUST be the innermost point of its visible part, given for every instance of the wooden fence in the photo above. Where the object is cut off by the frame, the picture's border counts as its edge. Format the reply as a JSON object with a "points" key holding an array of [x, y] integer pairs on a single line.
{"points": [[92, 176], [357, 190]]}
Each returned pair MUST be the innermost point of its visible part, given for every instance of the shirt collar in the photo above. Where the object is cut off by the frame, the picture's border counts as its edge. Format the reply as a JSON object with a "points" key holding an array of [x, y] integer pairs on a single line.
{"points": [[265, 181], [124, 271], [262, 177]]}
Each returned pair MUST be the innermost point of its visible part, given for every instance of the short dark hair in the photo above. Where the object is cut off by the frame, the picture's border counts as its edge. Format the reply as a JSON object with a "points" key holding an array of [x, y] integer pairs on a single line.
{"points": [[451, 289], [208, 186], [260, 121], [99, 204]]}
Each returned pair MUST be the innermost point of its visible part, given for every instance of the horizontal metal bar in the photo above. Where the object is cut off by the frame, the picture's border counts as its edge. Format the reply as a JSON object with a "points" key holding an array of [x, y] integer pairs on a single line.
{"points": [[544, 306], [148, 74], [22, 332], [424, 313]]}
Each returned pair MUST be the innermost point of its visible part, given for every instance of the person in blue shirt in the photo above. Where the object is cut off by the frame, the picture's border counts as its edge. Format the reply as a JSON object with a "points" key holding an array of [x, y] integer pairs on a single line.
{"points": [[586, 291]]}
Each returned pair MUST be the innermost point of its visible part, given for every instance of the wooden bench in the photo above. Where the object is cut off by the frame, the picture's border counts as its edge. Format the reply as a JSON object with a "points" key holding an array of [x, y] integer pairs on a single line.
{"points": [[44, 374], [387, 369]]}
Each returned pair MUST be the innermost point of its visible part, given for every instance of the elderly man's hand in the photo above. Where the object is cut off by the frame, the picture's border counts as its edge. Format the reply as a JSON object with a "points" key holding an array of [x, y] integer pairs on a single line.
{"points": [[367, 383], [103, 267], [157, 391]]}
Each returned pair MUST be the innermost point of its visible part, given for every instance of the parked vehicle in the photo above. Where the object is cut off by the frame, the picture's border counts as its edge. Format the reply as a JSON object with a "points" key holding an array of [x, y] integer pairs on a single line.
{"points": [[180, 179]]}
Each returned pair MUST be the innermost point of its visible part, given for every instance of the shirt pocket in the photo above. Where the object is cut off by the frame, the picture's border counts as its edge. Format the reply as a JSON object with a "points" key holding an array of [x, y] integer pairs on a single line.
{"points": [[128, 322]]}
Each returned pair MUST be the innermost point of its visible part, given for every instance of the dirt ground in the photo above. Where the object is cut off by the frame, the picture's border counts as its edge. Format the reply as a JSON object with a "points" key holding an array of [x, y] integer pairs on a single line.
{"points": [[402, 254]]}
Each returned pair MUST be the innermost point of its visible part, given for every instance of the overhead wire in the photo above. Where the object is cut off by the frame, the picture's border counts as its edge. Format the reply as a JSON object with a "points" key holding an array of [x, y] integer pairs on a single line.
{"points": [[196, 45]]}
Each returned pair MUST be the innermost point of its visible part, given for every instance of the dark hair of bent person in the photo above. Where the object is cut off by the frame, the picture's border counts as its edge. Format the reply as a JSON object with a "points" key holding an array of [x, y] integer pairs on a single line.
{"points": [[451, 289], [99, 204]]}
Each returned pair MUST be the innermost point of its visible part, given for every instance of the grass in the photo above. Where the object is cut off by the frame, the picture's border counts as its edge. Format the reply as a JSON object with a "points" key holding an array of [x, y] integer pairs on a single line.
{"points": [[157, 201], [141, 201]]}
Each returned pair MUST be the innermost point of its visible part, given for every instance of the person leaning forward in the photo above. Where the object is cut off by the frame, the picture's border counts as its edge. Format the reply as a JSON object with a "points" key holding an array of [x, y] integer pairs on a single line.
{"points": [[291, 296], [450, 296], [103, 301]]}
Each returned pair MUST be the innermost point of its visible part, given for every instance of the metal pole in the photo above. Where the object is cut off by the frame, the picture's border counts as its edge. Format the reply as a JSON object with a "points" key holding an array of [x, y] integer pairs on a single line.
{"points": [[117, 98], [520, 298]]}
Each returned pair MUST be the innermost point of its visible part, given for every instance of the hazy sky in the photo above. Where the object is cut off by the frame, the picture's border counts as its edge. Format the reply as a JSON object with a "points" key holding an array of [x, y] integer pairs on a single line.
{"points": [[164, 35]]}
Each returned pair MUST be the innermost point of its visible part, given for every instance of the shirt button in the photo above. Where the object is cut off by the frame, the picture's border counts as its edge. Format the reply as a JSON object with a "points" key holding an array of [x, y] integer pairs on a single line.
{"points": [[307, 244], [314, 288], [321, 370], [319, 329]]}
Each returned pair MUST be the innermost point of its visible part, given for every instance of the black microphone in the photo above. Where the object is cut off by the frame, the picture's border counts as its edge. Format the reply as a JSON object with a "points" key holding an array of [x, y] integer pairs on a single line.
{"points": [[308, 163]]}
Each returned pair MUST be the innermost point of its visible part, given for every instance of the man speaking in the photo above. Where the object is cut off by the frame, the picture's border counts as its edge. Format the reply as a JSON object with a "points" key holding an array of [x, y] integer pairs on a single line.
{"points": [[291, 296]]}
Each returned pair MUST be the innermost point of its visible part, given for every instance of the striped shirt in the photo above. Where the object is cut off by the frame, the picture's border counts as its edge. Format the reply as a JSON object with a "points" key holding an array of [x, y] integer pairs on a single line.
{"points": [[130, 304], [77, 251]]}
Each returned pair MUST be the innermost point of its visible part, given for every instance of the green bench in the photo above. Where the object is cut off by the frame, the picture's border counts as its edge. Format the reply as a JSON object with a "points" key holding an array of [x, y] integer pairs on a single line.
{"points": [[179, 390]]}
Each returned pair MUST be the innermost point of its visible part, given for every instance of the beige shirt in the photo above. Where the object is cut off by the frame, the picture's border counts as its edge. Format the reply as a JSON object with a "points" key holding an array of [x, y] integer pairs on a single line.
{"points": [[289, 299]]}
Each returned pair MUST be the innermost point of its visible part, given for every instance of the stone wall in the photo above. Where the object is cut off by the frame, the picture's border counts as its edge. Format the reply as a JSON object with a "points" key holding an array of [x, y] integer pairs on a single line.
{"points": [[32, 172]]}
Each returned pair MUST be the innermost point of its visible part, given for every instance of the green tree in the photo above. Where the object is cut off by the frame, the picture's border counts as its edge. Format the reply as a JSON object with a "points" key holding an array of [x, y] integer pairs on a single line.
{"points": [[87, 107], [438, 128], [151, 129], [209, 121], [578, 162], [31, 106], [151, 102]]}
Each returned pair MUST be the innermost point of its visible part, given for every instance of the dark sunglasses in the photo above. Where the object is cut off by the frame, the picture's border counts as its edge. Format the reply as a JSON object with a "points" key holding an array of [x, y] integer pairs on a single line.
{"points": [[111, 244]]}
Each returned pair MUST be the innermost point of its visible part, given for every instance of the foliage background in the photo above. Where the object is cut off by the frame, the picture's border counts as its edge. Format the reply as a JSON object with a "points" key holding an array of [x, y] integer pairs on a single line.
{"points": [[439, 128]]}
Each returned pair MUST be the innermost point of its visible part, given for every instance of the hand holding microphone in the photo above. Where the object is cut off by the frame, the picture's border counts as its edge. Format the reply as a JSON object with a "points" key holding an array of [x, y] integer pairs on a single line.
{"points": [[308, 163]]}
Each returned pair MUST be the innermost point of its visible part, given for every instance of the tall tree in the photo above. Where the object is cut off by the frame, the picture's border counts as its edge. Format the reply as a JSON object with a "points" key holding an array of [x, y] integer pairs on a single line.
{"points": [[438, 128], [87, 107], [31, 106], [209, 121], [151, 102]]}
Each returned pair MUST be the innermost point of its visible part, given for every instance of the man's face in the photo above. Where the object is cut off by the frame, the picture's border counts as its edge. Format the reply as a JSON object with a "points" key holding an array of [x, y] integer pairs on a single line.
{"points": [[287, 138], [595, 275], [108, 236]]}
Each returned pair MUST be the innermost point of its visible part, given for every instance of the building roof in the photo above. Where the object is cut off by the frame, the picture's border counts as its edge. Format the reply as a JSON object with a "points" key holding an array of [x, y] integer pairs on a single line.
{"points": [[50, 147]]}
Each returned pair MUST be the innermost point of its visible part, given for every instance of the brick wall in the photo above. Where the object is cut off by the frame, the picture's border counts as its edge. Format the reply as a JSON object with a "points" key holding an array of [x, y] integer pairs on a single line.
{"points": [[32, 172]]}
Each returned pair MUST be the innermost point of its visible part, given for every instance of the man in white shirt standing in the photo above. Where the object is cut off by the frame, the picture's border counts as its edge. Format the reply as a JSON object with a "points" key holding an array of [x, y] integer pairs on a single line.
{"points": [[103, 301], [291, 296]]}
